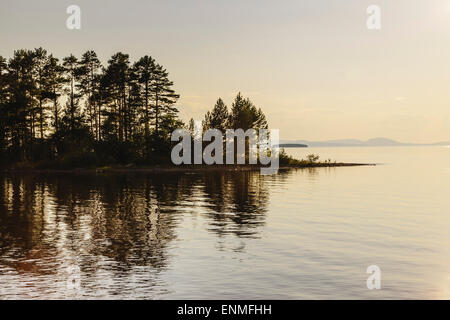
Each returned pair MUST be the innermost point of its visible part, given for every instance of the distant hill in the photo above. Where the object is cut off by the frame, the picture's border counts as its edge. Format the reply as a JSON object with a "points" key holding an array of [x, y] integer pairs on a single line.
{"points": [[375, 142]]}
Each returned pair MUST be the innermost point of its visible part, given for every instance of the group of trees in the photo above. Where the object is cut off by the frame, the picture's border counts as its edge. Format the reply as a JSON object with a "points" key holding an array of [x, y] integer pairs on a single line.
{"points": [[243, 115], [77, 108], [77, 112]]}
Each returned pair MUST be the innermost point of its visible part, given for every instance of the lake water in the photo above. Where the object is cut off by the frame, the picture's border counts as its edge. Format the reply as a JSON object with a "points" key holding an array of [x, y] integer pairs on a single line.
{"points": [[301, 234]]}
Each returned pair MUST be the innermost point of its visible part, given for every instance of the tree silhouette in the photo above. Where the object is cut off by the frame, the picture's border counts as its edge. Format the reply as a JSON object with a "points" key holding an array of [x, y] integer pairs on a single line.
{"points": [[88, 73], [244, 115], [54, 83], [78, 113], [165, 97], [218, 117], [72, 116]]}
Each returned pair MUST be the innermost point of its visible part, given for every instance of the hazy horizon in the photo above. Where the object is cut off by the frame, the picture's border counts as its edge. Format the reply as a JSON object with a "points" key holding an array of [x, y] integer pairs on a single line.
{"points": [[362, 140], [313, 67]]}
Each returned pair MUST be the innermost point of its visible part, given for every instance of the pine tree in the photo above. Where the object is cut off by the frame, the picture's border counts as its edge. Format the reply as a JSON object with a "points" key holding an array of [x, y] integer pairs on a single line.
{"points": [[218, 117], [88, 71], [164, 96], [115, 85], [244, 115], [144, 70], [21, 87], [72, 112], [132, 118], [40, 60], [54, 82]]}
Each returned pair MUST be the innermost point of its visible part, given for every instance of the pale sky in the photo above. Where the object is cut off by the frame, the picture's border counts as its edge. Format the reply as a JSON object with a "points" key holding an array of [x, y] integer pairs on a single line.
{"points": [[312, 65]]}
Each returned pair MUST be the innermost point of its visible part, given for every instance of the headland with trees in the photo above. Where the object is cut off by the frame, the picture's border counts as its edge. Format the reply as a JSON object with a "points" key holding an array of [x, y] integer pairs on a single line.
{"points": [[77, 113]]}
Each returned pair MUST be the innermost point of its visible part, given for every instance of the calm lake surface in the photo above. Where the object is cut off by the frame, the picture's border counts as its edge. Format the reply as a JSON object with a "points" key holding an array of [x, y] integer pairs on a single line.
{"points": [[302, 234]]}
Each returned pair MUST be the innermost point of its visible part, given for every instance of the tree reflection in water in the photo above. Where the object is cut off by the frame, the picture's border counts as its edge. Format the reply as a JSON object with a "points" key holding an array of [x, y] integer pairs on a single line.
{"points": [[110, 224]]}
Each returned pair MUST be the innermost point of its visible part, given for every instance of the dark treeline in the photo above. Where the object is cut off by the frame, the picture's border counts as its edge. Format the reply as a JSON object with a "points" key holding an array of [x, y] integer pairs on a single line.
{"points": [[77, 112]]}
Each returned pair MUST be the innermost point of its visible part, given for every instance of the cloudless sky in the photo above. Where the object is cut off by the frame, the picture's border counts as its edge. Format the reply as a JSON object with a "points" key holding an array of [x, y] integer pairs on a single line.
{"points": [[312, 65]]}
